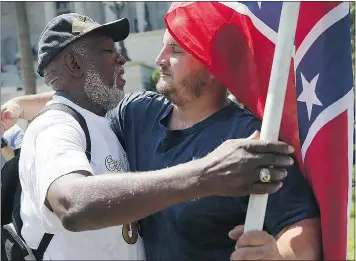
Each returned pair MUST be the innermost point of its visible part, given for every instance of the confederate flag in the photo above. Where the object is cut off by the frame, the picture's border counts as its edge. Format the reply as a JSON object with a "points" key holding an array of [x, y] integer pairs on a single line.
{"points": [[236, 41]]}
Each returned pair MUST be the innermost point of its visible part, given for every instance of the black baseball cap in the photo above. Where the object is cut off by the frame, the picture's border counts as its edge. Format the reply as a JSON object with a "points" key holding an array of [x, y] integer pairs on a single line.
{"points": [[67, 28]]}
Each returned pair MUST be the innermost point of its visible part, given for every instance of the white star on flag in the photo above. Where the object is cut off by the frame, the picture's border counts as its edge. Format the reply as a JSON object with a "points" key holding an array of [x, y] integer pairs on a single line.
{"points": [[308, 94], [259, 4]]}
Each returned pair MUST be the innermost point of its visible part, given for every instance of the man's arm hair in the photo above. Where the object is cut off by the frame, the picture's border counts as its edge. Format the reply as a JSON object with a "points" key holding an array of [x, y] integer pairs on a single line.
{"points": [[32, 104], [85, 202], [301, 241]]}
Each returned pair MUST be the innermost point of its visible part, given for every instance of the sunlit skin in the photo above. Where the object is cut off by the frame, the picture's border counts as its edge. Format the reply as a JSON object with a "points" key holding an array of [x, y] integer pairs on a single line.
{"points": [[193, 90]]}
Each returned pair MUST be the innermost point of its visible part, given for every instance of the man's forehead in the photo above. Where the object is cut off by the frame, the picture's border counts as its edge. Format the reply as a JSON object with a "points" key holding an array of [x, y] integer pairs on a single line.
{"points": [[93, 43], [168, 39], [96, 39]]}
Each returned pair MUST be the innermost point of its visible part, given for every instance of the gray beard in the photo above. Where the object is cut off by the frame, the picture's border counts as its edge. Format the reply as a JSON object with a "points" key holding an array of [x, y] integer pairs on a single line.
{"points": [[102, 95]]}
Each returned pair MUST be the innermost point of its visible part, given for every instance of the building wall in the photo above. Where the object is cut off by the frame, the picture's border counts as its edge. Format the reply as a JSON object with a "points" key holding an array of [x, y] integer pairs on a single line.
{"points": [[8, 33], [9, 43], [36, 22], [144, 47], [95, 10], [137, 76], [157, 12], [36, 12]]}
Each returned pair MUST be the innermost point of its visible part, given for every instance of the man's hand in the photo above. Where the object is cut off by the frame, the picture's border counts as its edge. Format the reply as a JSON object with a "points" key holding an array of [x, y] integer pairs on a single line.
{"points": [[254, 245], [11, 112], [233, 168]]}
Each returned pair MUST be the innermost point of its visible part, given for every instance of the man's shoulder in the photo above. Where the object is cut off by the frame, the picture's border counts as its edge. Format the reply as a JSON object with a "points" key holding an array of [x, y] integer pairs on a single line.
{"points": [[242, 120], [244, 113], [52, 129], [143, 98], [139, 104], [51, 116], [52, 119]]}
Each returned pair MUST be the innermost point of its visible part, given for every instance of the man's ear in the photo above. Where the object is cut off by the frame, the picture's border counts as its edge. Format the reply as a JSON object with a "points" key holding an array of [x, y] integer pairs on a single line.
{"points": [[72, 63]]}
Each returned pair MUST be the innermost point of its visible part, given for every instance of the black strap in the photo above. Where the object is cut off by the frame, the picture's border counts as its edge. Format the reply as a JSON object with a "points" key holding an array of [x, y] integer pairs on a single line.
{"points": [[77, 116], [39, 252]]}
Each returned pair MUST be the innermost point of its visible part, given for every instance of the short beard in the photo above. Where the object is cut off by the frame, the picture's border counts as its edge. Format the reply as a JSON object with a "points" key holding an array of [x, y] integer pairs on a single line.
{"points": [[99, 94], [189, 89]]}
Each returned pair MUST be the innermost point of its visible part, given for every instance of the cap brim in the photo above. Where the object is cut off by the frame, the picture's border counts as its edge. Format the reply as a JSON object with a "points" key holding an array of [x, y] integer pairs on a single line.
{"points": [[118, 30]]}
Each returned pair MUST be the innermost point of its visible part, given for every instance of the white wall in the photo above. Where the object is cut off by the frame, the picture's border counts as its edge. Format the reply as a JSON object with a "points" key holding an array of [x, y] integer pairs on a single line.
{"points": [[144, 47], [136, 76]]}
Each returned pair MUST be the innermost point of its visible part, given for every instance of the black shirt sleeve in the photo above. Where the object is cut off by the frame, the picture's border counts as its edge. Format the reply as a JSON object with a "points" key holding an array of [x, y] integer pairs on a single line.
{"points": [[294, 202]]}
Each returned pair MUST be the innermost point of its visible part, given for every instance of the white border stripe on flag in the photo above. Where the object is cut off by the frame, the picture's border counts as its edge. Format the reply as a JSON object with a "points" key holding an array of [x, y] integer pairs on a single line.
{"points": [[319, 28], [261, 26], [331, 112]]}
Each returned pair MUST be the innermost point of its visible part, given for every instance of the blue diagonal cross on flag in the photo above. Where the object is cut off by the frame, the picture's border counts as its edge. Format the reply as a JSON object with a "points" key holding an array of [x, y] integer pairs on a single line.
{"points": [[318, 115]]}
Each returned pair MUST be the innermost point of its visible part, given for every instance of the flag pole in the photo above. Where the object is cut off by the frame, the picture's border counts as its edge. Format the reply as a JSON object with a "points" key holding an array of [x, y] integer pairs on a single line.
{"points": [[275, 101]]}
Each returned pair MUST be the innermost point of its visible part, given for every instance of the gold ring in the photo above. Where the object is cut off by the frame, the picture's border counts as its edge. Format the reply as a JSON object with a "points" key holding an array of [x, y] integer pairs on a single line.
{"points": [[265, 175]]}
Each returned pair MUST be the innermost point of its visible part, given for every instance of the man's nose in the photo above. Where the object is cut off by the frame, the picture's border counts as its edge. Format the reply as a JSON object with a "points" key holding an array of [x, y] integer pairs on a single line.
{"points": [[120, 59], [161, 61]]}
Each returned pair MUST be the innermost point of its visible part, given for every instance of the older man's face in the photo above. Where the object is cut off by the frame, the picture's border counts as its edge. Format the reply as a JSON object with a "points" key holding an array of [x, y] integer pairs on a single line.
{"points": [[104, 71]]}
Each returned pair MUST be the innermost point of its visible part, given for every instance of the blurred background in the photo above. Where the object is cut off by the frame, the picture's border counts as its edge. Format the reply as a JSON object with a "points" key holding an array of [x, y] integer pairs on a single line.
{"points": [[23, 22]]}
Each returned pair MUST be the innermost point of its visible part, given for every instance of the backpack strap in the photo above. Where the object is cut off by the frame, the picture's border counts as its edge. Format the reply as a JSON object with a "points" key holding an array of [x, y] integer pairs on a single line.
{"points": [[39, 252], [46, 239], [77, 116]]}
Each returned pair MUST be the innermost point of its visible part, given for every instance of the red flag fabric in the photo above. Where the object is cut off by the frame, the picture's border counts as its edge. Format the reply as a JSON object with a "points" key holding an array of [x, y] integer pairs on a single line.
{"points": [[236, 42]]}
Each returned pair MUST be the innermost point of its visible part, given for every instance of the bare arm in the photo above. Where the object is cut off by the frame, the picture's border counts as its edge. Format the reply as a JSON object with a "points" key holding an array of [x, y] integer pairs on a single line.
{"points": [[7, 152], [302, 241], [23, 107], [32, 104], [94, 202]]}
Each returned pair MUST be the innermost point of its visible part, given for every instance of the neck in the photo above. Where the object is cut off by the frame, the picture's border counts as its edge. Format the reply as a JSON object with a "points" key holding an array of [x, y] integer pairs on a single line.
{"points": [[80, 100], [185, 116]]}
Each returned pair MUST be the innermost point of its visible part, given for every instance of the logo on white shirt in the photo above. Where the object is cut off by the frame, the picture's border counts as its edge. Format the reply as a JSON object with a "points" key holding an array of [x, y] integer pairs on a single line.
{"points": [[116, 165]]}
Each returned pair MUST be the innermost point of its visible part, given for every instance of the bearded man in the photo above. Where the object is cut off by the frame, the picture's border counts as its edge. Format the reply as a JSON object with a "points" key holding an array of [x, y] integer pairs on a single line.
{"points": [[93, 216]]}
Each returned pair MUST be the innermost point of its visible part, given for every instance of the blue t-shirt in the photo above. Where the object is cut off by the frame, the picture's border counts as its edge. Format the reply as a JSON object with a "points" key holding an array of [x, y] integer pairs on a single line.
{"points": [[198, 229]]}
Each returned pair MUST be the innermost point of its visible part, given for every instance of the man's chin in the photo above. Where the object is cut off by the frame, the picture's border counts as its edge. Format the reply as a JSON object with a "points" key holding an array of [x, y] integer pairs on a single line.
{"points": [[164, 89]]}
